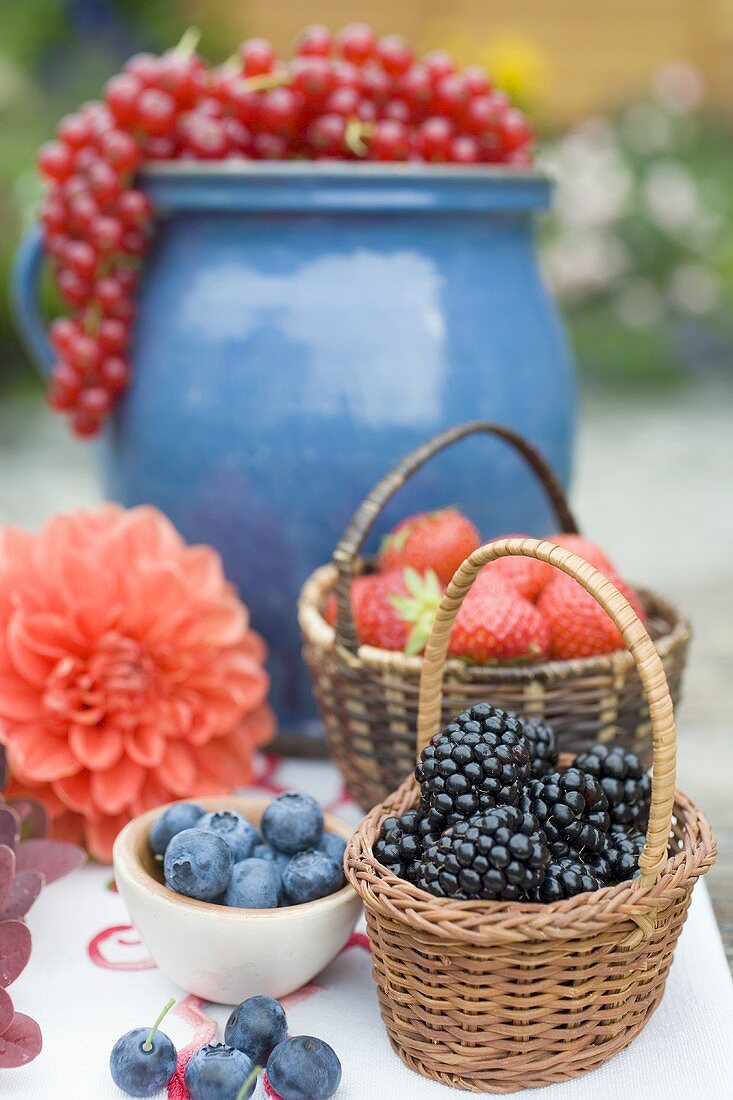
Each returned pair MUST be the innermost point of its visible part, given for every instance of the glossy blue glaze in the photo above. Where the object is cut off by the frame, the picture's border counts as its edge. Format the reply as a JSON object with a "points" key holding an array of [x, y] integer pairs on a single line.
{"points": [[300, 328]]}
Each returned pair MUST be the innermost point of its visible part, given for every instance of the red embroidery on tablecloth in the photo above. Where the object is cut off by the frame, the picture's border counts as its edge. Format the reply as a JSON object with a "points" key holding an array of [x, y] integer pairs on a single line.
{"points": [[269, 1090], [299, 995], [342, 799], [204, 1031], [265, 779], [357, 939], [118, 936]]}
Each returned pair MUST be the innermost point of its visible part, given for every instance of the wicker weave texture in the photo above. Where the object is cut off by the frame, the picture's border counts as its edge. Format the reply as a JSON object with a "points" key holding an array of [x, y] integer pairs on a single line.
{"points": [[367, 698], [495, 997]]}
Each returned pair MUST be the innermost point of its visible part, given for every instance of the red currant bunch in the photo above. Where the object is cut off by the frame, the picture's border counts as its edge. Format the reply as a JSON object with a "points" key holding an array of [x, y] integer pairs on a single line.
{"points": [[349, 96]]}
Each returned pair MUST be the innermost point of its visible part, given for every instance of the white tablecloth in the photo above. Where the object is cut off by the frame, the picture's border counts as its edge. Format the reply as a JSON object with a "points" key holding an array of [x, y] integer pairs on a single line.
{"points": [[90, 979]]}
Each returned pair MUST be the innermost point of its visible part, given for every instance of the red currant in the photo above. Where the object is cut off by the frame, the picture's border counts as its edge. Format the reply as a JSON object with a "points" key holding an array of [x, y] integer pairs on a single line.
{"points": [[238, 136], [134, 209], [390, 141], [83, 352], [85, 425], [82, 210], [314, 41], [206, 138], [94, 400], [53, 212], [464, 149], [184, 78], [72, 288], [434, 138], [112, 335], [120, 149], [81, 258], [269, 147], [114, 374], [375, 84], [146, 67], [63, 331], [342, 101], [438, 63], [477, 80], [356, 42], [156, 111], [258, 57], [482, 113], [396, 109], [513, 129], [161, 148], [326, 135], [55, 161], [345, 74], [104, 182], [122, 93], [134, 243], [451, 95], [281, 110], [394, 54], [416, 87], [74, 131], [313, 77], [105, 232]]}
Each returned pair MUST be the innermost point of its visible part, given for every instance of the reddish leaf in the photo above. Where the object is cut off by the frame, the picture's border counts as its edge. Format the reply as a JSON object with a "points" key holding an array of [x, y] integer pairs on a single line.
{"points": [[7, 871], [53, 858], [26, 887], [20, 1043], [15, 950], [33, 818], [6, 1011], [3, 770], [9, 827]]}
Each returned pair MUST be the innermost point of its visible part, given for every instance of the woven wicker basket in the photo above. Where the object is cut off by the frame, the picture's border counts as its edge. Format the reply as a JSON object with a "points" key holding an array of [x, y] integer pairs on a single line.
{"points": [[492, 996], [367, 697]]}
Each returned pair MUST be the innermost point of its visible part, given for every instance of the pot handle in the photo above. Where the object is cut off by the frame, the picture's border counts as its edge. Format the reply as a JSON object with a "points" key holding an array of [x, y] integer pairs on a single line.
{"points": [[370, 509], [24, 298], [642, 648]]}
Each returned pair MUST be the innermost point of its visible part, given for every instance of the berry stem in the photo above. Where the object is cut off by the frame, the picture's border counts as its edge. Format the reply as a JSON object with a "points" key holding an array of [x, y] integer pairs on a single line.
{"points": [[266, 80], [189, 42], [248, 1081], [148, 1044], [356, 131]]}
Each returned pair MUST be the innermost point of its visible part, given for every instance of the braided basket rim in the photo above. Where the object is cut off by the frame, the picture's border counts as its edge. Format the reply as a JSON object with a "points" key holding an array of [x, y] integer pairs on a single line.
{"points": [[486, 922], [317, 632]]}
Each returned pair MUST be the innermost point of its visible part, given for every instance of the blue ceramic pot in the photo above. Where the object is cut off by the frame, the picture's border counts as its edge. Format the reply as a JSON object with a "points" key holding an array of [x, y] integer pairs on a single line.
{"points": [[301, 326]]}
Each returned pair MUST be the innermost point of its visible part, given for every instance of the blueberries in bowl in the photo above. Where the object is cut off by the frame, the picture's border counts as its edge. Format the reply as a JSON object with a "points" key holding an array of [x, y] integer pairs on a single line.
{"points": [[220, 857], [311, 874], [292, 822], [198, 864], [240, 834]]}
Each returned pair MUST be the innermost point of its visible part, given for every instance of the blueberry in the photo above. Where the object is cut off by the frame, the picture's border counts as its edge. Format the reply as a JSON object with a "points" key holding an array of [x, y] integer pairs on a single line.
{"points": [[310, 875], [255, 884], [240, 834], [333, 845], [198, 864], [256, 1027], [304, 1068], [142, 1061], [217, 1072], [180, 816], [292, 822], [264, 851]]}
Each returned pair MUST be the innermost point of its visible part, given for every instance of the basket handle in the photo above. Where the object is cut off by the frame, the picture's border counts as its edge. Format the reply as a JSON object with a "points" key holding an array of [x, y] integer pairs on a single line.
{"points": [[647, 660], [371, 507]]}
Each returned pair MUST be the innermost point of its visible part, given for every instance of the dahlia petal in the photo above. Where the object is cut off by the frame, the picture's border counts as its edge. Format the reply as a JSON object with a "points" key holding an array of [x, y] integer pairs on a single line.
{"points": [[113, 790], [52, 635], [24, 658], [254, 646], [100, 835], [227, 760], [160, 600], [178, 770], [37, 756], [15, 545], [204, 570], [152, 794], [75, 793], [145, 747], [68, 826], [221, 624], [18, 700], [96, 747]]}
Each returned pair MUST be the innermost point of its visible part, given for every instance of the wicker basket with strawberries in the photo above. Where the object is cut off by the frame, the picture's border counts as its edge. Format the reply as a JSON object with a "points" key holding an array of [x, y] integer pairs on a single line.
{"points": [[526, 639]]}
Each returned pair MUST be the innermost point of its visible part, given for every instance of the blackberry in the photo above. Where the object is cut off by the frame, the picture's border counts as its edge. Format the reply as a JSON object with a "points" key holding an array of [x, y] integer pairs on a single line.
{"points": [[543, 745], [622, 852], [400, 844], [625, 783], [500, 854], [572, 809], [480, 760], [565, 878]]}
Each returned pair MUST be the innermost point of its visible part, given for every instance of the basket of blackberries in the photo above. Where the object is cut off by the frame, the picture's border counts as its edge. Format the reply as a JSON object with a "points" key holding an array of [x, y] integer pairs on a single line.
{"points": [[523, 907]]}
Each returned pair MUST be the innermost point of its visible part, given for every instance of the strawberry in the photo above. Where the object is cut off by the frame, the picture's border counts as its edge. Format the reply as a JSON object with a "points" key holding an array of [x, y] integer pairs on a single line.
{"points": [[527, 575], [429, 540], [496, 623], [392, 610], [586, 549], [578, 625]]}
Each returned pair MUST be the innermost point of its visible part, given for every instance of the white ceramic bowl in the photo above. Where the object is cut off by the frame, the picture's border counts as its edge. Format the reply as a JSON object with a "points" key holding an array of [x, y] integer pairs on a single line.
{"points": [[221, 953]]}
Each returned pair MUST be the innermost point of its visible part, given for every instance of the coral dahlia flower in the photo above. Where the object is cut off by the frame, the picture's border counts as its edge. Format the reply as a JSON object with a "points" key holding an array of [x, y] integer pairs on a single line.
{"points": [[128, 673]]}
